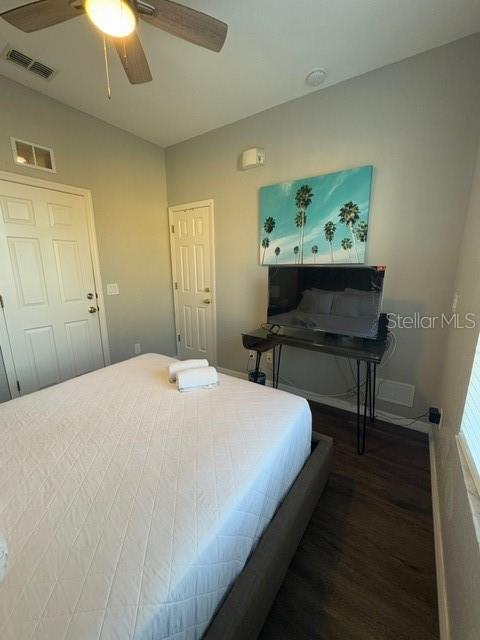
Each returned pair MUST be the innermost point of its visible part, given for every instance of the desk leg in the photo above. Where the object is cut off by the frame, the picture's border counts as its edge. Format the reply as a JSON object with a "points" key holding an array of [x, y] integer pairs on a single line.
{"points": [[257, 365], [358, 406], [274, 351], [362, 420], [374, 390], [277, 374], [370, 392]]}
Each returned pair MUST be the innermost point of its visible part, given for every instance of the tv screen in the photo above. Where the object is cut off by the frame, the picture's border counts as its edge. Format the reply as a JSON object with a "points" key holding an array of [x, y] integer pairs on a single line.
{"points": [[335, 299]]}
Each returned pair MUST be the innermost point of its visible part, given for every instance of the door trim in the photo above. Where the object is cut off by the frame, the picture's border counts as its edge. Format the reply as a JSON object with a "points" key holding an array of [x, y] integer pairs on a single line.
{"points": [[171, 212], [92, 235]]}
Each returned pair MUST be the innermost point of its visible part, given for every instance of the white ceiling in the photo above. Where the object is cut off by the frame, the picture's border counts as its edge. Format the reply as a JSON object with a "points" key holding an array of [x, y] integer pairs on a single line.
{"points": [[270, 47]]}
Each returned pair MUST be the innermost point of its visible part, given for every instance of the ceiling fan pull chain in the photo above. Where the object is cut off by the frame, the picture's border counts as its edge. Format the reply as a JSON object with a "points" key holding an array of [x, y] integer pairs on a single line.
{"points": [[107, 73], [118, 19]]}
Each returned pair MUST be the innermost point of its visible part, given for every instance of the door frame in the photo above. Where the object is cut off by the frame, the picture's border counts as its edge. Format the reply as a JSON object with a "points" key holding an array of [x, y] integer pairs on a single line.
{"points": [[171, 211], [86, 194]]}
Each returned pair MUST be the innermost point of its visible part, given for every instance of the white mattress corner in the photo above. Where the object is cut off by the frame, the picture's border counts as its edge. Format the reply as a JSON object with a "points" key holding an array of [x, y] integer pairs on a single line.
{"points": [[130, 508]]}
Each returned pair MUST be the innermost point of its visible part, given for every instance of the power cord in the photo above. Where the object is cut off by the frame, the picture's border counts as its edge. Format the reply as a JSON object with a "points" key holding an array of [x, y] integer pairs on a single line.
{"points": [[352, 389], [385, 418]]}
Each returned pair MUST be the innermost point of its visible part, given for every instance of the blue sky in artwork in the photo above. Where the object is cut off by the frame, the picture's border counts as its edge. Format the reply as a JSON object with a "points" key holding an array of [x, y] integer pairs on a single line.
{"points": [[330, 193]]}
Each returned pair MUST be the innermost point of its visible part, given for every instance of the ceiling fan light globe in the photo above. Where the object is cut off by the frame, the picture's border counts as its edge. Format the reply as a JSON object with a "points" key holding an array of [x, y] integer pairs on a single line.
{"points": [[114, 17]]}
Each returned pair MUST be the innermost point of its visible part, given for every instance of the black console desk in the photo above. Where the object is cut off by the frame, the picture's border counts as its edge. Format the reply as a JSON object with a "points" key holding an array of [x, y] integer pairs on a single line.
{"points": [[369, 352]]}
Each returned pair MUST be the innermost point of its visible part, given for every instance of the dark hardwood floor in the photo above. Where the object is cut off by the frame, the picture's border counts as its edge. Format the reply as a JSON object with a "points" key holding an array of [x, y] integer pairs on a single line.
{"points": [[365, 569]]}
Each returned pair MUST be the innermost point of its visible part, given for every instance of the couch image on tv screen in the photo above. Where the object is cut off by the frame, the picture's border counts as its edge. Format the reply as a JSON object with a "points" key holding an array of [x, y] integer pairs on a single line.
{"points": [[342, 300]]}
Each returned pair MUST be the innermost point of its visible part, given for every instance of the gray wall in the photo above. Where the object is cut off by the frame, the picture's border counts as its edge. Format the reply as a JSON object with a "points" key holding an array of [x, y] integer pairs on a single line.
{"points": [[127, 178], [417, 123], [461, 548]]}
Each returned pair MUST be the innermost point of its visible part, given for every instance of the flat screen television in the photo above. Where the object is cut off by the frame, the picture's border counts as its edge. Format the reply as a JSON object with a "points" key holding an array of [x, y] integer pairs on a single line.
{"points": [[343, 300]]}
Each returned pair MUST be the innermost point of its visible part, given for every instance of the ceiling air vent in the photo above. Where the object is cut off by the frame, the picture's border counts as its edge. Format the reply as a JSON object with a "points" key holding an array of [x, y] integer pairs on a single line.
{"points": [[28, 63], [19, 58], [41, 70]]}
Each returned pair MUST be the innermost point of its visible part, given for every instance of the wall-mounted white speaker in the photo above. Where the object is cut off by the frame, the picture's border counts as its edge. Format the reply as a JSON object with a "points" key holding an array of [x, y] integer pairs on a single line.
{"points": [[254, 157]]}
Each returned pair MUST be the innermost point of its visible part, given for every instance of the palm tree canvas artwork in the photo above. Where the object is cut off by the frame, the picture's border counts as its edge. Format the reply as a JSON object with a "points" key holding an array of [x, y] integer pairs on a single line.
{"points": [[319, 220]]}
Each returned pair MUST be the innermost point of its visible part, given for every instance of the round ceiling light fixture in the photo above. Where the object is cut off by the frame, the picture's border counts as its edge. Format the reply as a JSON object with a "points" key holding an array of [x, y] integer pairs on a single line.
{"points": [[114, 17], [316, 77]]}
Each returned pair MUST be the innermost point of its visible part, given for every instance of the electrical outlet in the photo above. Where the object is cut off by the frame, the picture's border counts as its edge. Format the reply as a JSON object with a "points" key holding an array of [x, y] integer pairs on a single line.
{"points": [[434, 415], [269, 357], [138, 348], [252, 354]]}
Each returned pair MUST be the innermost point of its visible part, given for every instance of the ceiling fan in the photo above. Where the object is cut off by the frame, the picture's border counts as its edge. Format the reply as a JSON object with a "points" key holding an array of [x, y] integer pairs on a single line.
{"points": [[118, 19]]}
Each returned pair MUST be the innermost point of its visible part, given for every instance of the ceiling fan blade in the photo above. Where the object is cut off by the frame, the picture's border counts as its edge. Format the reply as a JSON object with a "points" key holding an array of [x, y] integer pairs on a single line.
{"points": [[184, 22], [41, 14], [133, 59]]}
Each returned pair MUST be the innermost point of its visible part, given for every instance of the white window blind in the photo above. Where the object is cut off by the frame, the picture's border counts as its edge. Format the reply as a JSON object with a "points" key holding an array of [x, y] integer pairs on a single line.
{"points": [[470, 428]]}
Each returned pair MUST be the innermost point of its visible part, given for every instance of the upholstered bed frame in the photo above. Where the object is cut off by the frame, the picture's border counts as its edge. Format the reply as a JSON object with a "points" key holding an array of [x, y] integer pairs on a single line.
{"points": [[246, 607]]}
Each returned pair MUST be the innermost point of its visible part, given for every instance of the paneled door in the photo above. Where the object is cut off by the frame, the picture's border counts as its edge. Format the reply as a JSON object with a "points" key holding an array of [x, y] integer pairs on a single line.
{"points": [[47, 285], [193, 279]]}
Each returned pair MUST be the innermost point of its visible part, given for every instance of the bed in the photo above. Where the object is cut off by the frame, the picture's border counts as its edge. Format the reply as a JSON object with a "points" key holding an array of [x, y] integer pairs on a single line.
{"points": [[130, 509]]}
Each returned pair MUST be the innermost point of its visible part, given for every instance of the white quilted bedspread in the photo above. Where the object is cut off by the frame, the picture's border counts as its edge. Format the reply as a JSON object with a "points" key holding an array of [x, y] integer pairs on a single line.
{"points": [[129, 508]]}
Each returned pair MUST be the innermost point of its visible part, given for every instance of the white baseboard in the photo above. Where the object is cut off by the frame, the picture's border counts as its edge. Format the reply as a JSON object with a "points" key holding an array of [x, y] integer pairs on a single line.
{"points": [[444, 622], [338, 403]]}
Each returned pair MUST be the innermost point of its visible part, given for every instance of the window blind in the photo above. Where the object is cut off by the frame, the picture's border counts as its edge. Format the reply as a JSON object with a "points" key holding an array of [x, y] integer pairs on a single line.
{"points": [[470, 427]]}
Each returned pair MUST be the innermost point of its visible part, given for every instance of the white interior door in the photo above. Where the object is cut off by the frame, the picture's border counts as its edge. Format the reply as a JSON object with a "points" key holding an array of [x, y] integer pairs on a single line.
{"points": [[193, 275], [47, 285]]}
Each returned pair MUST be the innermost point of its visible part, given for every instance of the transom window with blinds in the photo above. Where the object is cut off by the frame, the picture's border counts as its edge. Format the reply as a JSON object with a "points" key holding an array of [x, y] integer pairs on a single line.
{"points": [[470, 429]]}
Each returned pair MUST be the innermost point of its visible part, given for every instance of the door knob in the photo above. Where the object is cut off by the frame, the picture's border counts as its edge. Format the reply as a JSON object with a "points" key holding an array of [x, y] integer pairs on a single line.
{"points": [[207, 301], [92, 309]]}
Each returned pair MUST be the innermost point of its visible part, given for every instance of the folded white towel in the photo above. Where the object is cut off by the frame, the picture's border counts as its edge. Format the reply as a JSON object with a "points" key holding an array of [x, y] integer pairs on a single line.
{"points": [[174, 368], [201, 378]]}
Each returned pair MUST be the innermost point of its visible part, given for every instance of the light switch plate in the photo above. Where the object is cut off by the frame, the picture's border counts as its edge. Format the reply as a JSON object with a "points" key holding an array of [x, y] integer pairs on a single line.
{"points": [[455, 302], [112, 289], [3, 557]]}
